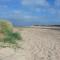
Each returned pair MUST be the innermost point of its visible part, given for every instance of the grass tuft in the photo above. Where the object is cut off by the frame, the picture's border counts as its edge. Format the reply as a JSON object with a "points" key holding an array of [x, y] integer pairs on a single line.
{"points": [[9, 37]]}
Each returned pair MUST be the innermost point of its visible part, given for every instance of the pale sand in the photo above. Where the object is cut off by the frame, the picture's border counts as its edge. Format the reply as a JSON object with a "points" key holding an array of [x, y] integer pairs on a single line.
{"points": [[39, 44]]}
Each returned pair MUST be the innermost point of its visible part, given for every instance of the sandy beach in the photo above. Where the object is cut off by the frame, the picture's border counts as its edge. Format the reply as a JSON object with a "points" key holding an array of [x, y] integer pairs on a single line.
{"points": [[39, 43]]}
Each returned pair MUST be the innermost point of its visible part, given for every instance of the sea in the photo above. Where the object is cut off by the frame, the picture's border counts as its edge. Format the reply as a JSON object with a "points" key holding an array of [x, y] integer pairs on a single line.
{"points": [[20, 22]]}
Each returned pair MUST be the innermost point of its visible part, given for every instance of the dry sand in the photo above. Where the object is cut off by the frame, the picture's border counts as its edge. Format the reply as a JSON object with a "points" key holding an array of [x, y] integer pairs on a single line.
{"points": [[39, 43]]}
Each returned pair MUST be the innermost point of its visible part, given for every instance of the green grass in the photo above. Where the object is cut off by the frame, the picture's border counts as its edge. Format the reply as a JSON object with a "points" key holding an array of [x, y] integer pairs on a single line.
{"points": [[10, 38]]}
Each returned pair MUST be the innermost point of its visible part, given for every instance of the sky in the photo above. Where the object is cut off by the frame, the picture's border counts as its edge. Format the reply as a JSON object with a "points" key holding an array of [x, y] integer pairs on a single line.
{"points": [[31, 11]]}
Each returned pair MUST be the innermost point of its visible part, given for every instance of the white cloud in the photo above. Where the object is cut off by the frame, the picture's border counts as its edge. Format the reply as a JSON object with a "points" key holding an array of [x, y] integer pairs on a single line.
{"points": [[27, 2], [17, 14], [41, 2], [35, 2]]}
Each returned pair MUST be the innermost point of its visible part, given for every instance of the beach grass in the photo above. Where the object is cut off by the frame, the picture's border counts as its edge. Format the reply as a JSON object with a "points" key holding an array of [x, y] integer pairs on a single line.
{"points": [[7, 35]]}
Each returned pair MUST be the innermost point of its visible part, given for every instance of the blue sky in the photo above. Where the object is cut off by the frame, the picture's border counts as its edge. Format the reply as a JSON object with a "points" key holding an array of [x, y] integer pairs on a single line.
{"points": [[37, 11]]}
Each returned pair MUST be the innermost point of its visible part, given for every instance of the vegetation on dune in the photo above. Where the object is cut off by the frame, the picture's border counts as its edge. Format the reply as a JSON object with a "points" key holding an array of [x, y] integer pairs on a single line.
{"points": [[7, 35]]}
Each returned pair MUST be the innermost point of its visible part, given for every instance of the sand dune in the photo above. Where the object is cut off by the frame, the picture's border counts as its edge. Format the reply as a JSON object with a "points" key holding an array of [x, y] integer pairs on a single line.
{"points": [[39, 43]]}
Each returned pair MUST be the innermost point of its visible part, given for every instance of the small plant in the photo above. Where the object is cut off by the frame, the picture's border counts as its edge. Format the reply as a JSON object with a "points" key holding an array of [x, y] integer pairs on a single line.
{"points": [[5, 26], [10, 37]]}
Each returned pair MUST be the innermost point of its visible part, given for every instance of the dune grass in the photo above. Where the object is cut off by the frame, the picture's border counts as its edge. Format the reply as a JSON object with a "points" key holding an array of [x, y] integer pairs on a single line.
{"points": [[8, 36]]}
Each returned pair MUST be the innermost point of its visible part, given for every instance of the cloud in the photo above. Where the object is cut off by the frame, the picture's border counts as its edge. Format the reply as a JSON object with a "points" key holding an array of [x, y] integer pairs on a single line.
{"points": [[38, 14], [35, 2], [36, 9], [15, 14], [27, 2], [41, 2]]}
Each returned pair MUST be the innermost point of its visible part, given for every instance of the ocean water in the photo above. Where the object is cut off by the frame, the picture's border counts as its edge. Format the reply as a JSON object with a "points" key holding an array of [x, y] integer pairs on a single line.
{"points": [[33, 22], [27, 23], [21, 22]]}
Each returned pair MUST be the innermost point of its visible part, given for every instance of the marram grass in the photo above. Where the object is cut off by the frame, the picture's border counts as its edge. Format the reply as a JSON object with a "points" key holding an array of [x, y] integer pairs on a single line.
{"points": [[8, 38]]}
